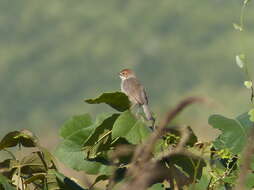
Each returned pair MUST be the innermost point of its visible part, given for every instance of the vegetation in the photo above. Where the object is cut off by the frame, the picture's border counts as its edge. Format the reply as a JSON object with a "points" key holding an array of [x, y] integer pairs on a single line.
{"points": [[121, 148]]}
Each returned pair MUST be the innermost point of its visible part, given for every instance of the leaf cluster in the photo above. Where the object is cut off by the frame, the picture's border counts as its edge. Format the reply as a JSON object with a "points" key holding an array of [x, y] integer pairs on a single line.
{"points": [[120, 149], [106, 146], [34, 171]]}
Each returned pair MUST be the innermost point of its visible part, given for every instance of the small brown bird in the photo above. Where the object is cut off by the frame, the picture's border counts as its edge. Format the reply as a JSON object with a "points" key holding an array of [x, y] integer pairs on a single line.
{"points": [[135, 91]]}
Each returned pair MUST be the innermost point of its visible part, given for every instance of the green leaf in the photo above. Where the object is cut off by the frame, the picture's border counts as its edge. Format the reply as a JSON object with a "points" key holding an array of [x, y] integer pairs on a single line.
{"points": [[74, 124], [4, 183], [251, 114], [240, 60], [189, 163], [100, 141], [246, 2], [234, 132], [248, 84], [157, 186], [73, 150], [73, 156], [103, 125], [250, 180], [127, 126], [116, 100], [81, 135], [123, 124], [201, 184], [23, 137], [138, 133], [68, 183], [238, 27]]}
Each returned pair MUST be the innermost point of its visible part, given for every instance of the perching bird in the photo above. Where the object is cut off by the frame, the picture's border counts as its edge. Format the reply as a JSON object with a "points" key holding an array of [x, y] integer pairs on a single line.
{"points": [[135, 91]]}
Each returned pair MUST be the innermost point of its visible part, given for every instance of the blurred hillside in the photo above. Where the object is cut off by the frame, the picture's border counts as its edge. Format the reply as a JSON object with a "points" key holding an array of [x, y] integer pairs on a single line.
{"points": [[53, 54]]}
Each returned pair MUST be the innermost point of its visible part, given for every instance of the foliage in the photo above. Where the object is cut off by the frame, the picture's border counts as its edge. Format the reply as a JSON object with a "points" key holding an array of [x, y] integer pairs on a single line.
{"points": [[105, 147], [120, 149], [91, 148], [36, 170], [234, 132]]}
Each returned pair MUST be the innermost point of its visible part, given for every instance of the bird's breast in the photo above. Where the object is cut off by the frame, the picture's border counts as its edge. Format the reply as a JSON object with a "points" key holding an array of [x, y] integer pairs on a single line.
{"points": [[124, 87]]}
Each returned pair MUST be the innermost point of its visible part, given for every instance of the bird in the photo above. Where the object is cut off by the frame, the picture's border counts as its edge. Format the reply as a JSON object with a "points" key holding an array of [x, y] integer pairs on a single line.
{"points": [[136, 93]]}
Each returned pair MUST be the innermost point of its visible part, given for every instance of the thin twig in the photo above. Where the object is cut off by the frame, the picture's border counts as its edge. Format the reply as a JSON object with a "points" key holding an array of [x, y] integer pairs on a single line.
{"points": [[143, 168], [148, 147]]}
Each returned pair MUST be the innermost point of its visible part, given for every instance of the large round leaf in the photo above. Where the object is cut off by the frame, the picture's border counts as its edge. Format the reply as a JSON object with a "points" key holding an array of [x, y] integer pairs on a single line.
{"points": [[71, 151], [73, 156], [74, 124], [127, 126], [234, 132]]}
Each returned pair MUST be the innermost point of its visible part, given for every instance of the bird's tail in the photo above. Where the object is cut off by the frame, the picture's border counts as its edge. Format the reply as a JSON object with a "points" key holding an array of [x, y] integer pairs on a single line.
{"points": [[148, 112]]}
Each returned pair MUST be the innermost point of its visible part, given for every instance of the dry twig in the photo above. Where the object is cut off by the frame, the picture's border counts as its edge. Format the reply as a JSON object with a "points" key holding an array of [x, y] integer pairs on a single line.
{"points": [[143, 169]]}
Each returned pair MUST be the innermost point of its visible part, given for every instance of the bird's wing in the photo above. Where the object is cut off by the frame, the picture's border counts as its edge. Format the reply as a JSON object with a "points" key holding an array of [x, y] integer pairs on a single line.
{"points": [[144, 96], [135, 90]]}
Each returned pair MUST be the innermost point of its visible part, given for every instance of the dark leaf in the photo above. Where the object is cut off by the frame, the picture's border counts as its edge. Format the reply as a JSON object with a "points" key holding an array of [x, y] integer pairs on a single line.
{"points": [[120, 174], [190, 164], [98, 179], [23, 137], [4, 184], [116, 100], [34, 178], [100, 140], [33, 163], [67, 182], [174, 134], [6, 168]]}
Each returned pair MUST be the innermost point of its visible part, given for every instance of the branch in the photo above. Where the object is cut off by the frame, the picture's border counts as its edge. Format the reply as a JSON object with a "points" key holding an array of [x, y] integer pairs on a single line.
{"points": [[146, 149], [143, 168]]}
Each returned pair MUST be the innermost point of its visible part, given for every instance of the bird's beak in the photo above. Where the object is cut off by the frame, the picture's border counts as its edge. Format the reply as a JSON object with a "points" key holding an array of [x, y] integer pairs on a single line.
{"points": [[121, 76]]}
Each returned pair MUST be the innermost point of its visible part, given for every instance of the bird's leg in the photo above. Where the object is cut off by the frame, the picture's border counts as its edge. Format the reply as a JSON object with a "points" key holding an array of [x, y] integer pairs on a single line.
{"points": [[132, 108], [140, 114], [135, 109]]}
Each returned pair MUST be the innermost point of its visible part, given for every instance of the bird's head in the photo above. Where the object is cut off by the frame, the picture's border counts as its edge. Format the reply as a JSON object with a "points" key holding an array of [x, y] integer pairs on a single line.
{"points": [[126, 73]]}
